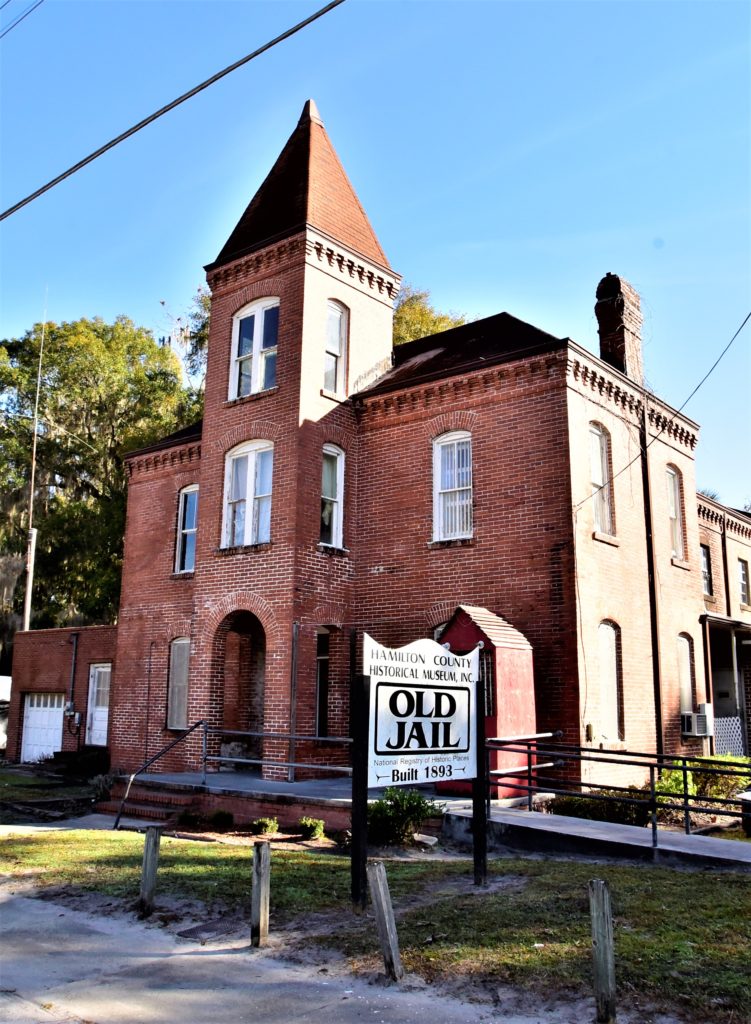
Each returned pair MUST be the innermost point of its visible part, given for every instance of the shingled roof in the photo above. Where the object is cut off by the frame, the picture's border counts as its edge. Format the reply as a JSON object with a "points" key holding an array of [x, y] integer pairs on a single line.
{"points": [[496, 339], [306, 186]]}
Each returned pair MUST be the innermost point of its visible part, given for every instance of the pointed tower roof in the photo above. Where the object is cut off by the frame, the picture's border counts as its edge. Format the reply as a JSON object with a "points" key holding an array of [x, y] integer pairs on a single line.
{"points": [[306, 186]]}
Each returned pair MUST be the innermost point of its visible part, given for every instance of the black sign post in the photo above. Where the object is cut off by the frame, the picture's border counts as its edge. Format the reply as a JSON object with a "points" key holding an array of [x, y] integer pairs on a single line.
{"points": [[359, 713], [479, 792]]}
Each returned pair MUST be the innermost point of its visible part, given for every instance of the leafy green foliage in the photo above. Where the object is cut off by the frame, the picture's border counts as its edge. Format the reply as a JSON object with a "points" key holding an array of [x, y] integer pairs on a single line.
{"points": [[311, 828], [400, 812], [621, 813], [221, 821], [264, 826], [199, 318], [415, 317], [106, 389]]}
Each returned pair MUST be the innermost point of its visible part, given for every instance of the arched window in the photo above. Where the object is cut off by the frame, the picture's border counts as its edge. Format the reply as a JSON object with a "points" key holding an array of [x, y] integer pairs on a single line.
{"points": [[611, 682], [602, 492], [686, 678], [187, 525], [177, 687], [675, 512], [254, 339], [332, 497], [335, 357], [452, 486], [247, 494]]}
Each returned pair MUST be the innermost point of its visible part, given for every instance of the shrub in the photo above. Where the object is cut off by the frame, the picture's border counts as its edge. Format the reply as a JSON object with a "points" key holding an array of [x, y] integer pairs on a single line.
{"points": [[670, 783], [102, 785], [393, 818], [720, 787], [584, 806], [222, 821], [188, 819], [264, 826], [311, 828]]}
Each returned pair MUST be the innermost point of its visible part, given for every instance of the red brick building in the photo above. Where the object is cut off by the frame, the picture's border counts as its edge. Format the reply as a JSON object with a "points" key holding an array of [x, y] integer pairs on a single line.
{"points": [[336, 484]]}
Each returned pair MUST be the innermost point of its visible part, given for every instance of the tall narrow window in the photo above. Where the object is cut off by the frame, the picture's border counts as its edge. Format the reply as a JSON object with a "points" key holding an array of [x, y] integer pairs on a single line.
{"points": [[332, 495], [686, 673], [254, 342], [187, 525], [247, 508], [599, 457], [675, 512], [743, 580], [706, 570], [336, 349], [611, 682], [177, 690], [322, 683], [452, 486]]}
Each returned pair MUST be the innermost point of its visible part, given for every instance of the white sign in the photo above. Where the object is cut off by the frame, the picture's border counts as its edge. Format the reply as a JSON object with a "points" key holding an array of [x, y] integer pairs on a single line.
{"points": [[422, 713]]}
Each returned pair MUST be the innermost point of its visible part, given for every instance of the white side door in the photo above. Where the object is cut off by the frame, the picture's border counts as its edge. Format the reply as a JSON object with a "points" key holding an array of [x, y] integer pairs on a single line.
{"points": [[42, 725], [99, 705]]}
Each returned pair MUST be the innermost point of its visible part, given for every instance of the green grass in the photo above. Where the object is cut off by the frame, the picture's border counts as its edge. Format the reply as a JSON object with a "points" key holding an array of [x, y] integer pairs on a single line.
{"points": [[683, 939], [19, 787]]}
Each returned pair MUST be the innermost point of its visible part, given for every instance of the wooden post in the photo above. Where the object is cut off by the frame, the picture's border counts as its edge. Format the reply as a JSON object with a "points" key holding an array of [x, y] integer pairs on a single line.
{"points": [[384, 915], [259, 897], [603, 955], [149, 869], [359, 709]]}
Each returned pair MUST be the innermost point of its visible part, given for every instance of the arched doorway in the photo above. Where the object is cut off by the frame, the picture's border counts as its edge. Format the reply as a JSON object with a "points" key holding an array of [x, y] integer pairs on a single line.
{"points": [[239, 676]]}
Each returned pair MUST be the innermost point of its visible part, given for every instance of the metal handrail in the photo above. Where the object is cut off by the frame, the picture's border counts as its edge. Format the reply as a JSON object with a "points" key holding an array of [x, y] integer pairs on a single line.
{"points": [[151, 760]]}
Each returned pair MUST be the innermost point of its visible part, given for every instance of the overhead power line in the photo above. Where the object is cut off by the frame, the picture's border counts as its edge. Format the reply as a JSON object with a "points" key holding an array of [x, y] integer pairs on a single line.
{"points": [[667, 422], [19, 19], [170, 106]]}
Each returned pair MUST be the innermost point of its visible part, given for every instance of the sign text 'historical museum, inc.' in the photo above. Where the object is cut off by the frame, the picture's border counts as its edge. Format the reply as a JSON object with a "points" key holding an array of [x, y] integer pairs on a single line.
{"points": [[422, 713]]}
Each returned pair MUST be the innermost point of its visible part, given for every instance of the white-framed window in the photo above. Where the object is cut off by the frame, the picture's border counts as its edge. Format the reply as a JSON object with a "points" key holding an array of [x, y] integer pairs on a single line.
{"points": [[177, 685], [332, 496], [599, 458], [452, 486], [685, 673], [247, 494], [335, 356], [706, 570], [611, 682], [675, 512], [255, 330], [187, 525], [743, 581]]}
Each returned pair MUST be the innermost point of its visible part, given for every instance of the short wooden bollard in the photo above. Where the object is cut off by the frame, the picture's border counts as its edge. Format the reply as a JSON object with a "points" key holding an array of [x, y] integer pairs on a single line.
{"points": [[603, 954], [384, 915], [149, 869], [259, 897]]}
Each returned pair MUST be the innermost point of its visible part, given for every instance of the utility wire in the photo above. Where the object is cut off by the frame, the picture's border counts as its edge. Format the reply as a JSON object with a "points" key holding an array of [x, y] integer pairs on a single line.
{"points": [[20, 17], [170, 106], [4, 4], [668, 422]]}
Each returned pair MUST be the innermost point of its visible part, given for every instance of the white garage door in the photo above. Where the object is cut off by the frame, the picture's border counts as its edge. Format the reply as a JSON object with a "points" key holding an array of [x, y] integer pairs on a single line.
{"points": [[42, 725]]}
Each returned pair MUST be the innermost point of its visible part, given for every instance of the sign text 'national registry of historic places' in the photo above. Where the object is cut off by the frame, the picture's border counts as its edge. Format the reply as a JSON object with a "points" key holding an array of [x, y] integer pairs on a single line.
{"points": [[422, 713]]}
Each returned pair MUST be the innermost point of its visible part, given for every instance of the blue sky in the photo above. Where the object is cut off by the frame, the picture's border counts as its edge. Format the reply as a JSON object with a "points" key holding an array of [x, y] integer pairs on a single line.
{"points": [[508, 154]]}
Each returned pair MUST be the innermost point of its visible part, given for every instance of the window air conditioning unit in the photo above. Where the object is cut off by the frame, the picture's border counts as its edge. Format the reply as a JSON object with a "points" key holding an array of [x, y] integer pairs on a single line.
{"points": [[699, 723]]}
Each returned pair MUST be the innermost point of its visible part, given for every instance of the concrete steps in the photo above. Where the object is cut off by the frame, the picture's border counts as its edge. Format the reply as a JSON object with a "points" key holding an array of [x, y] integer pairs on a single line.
{"points": [[153, 802]]}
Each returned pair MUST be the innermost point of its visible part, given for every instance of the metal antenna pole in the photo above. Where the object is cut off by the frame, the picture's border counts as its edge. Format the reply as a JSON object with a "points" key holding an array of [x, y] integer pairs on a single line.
{"points": [[31, 549]]}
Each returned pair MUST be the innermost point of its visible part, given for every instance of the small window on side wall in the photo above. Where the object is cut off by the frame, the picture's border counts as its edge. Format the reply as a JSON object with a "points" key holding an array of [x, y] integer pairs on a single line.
{"points": [[612, 726], [335, 356], [254, 343], [706, 570], [187, 526], [452, 486], [322, 682], [686, 683], [602, 496], [177, 689], [332, 497], [743, 584], [675, 512]]}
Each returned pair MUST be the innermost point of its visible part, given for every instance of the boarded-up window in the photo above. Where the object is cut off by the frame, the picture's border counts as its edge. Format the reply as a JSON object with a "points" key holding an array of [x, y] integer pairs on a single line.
{"points": [[611, 686], [177, 698]]}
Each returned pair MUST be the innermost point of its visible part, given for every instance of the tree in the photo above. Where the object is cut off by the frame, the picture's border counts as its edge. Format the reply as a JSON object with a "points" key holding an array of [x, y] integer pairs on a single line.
{"points": [[106, 389], [414, 317], [199, 317]]}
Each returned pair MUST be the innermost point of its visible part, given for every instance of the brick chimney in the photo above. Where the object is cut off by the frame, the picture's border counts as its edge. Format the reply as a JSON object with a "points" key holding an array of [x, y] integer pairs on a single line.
{"points": [[619, 320]]}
